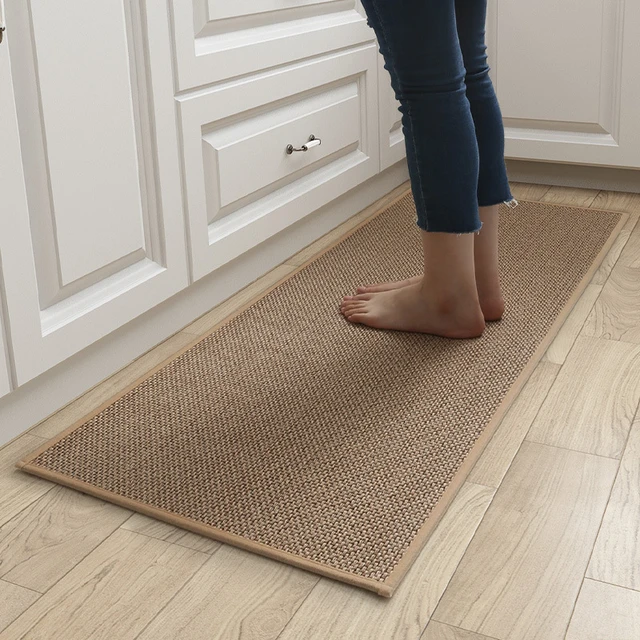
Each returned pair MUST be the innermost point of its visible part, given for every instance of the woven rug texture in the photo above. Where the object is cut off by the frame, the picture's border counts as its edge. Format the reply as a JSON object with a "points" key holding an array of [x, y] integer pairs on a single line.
{"points": [[331, 441]]}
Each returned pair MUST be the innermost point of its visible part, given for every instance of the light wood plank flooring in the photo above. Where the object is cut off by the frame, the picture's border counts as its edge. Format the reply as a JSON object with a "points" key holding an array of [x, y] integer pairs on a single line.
{"points": [[541, 542]]}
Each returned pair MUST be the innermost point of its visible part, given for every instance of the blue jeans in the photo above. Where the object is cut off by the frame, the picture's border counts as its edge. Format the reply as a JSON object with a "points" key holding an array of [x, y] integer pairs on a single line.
{"points": [[435, 53]]}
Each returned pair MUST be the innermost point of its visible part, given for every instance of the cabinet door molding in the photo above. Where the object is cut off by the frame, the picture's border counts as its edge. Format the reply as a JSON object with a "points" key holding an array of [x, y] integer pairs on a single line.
{"points": [[566, 75], [95, 234], [219, 40]]}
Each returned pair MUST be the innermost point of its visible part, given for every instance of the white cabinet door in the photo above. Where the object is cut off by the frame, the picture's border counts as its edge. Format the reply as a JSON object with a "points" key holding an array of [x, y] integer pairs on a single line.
{"points": [[566, 75], [390, 134], [567, 79], [91, 227], [392, 142]]}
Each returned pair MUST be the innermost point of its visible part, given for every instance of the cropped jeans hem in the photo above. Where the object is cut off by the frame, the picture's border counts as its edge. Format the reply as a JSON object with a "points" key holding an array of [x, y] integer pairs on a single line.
{"points": [[512, 203], [435, 229]]}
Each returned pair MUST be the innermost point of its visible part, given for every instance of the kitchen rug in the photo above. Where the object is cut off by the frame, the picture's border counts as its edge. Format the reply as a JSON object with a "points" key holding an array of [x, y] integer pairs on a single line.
{"points": [[332, 446]]}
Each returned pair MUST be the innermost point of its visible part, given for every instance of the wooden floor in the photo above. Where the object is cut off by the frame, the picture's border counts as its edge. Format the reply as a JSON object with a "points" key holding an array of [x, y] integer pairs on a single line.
{"points": [[542, 541]]}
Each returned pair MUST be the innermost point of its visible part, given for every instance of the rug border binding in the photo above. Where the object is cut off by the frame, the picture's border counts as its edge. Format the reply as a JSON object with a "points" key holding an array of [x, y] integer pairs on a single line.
{"points": [[384, 588]]}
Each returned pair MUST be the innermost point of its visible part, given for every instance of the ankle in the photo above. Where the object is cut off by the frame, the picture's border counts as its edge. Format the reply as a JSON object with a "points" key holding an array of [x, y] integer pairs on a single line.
{"points": [[456, 300]]}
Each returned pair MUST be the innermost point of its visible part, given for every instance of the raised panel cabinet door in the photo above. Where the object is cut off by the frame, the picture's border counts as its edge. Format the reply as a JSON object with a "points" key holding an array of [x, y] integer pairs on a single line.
{"points": [[392, 142], [242, 184], [92, 226], [217, 40], [390, 134], [567, 79]]}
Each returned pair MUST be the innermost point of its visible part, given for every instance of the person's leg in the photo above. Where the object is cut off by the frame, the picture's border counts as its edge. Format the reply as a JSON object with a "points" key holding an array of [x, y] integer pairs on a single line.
{"points": [[493, 186], [486, 265], [419, 42]]}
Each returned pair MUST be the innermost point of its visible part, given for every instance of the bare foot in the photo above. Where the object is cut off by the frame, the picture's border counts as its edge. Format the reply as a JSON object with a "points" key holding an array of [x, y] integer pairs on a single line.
{"points": [[491, 300], [386, 286], [492, 305], [408, 308]]}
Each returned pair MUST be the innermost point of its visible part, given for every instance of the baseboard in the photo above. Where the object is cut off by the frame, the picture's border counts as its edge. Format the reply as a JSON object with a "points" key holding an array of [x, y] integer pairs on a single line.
{"points": [[574, 175], [36, 400]]}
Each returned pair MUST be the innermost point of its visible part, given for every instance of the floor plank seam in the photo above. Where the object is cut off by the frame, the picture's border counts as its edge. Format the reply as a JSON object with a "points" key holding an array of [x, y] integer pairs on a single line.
{"points": [[586, 453], [575, 602], [464, 553], [595, 539], [613, 584], [26, 506], [532, 421], [184, 546], [295, 613], [613, 266], [15, 584], [64, 575], [482, 636], [166, 604]]}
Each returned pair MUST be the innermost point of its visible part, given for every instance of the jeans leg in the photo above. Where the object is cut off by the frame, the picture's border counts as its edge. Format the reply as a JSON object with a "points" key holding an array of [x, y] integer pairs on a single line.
{"points": [[419, 42], [493, 184]]}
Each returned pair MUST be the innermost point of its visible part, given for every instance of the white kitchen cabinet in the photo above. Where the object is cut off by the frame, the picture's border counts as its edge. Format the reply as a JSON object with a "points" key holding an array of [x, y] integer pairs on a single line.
{"points": [[143, 147], [242, 186], [5, 384], [566, 75], [390, 134], [91, 227], [567, 79], [219, 40], [392, 144]]}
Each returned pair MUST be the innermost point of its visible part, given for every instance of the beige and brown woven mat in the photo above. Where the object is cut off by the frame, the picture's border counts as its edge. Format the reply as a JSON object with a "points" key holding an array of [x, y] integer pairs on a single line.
{"points": [[331, 446]]}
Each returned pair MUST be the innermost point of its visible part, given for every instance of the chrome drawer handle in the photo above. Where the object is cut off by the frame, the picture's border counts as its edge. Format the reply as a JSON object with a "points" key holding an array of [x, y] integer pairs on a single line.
{"points": [[312, 142]]}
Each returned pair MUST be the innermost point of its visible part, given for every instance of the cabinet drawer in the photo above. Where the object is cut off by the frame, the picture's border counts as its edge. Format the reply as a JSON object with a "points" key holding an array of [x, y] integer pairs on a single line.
{"points": [[242, 186], [218, 40]]}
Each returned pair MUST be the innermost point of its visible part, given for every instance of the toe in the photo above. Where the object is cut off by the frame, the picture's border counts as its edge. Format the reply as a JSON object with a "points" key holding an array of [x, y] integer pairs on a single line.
{"points": [[355, 310], [357, 317]]}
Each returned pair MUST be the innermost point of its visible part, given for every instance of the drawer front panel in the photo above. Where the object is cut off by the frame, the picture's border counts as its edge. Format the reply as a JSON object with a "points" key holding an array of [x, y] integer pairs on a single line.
{"points": [[215, 41], [260, 154], [242, 186]]}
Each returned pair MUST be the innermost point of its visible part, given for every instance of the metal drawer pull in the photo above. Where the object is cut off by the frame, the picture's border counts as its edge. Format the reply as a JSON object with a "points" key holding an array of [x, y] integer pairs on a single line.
{"points": [[313, 142]]}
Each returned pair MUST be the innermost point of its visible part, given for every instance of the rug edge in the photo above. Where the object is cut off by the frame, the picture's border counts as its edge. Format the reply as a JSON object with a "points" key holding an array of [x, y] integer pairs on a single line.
{"points": [[219, 535]]}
